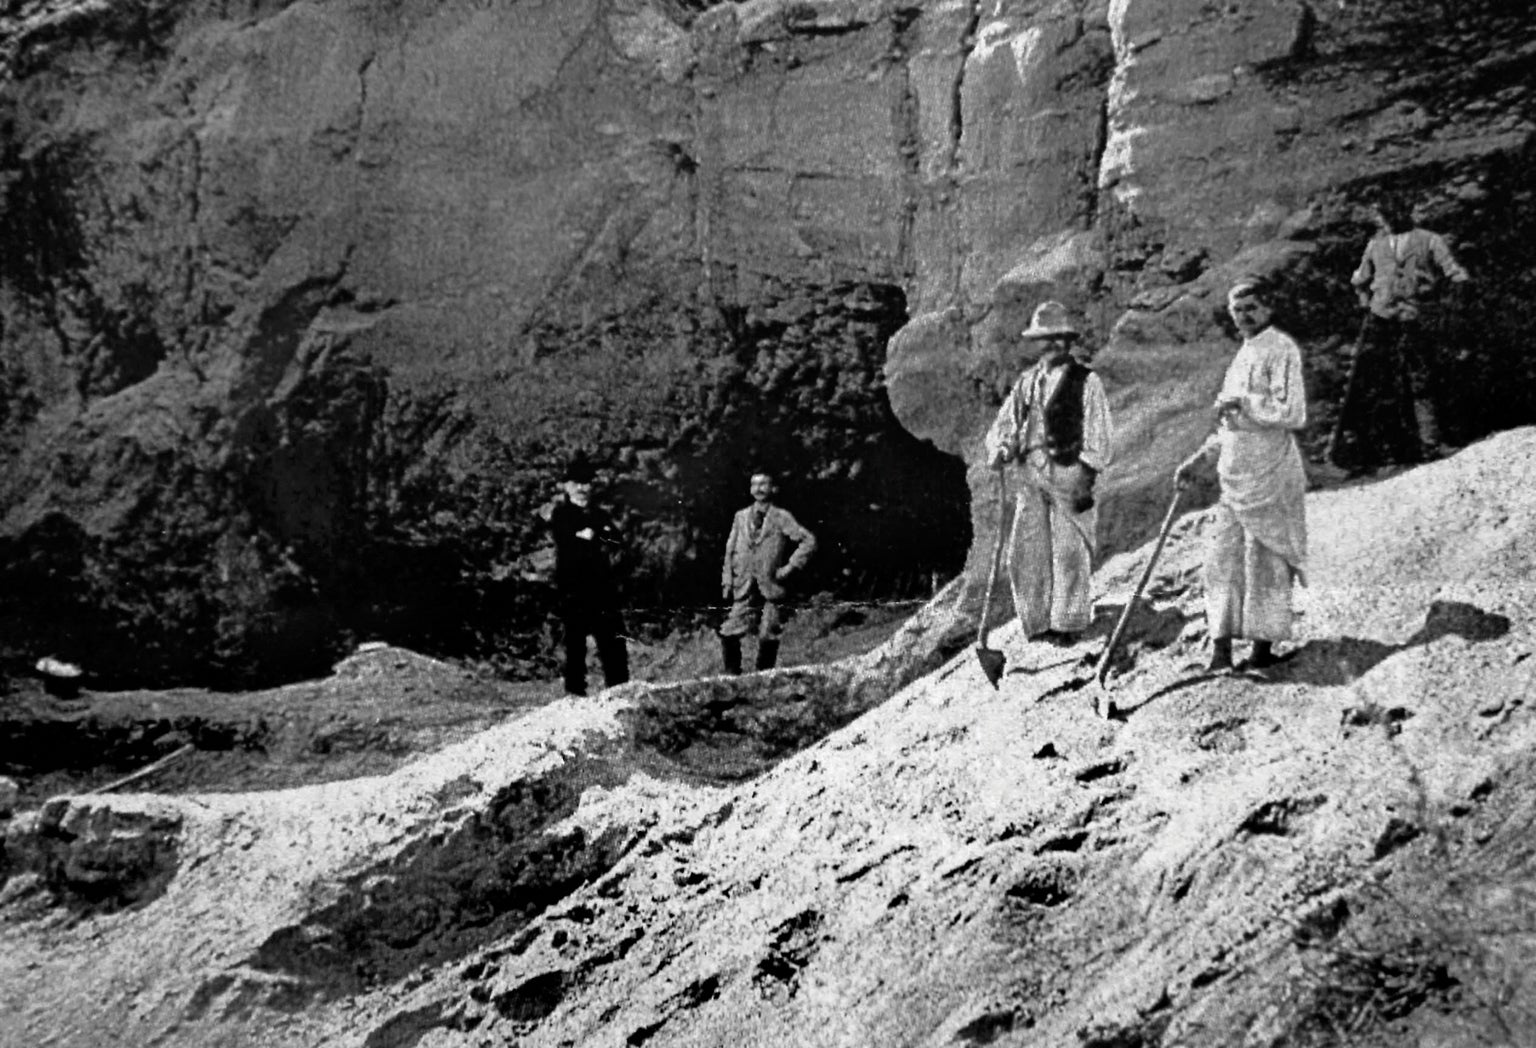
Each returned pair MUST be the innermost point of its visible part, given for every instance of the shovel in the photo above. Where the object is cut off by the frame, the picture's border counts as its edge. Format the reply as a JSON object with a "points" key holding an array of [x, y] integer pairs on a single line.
{"points": [[1347, 404], [993, 661], [1103, 703]]}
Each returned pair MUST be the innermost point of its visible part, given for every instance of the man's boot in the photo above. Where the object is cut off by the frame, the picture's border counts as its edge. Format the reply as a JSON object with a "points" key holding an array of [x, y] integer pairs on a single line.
{"points": [[575, 658], [1221, 655], [730, 652], [767, 654], [1262, 656]]}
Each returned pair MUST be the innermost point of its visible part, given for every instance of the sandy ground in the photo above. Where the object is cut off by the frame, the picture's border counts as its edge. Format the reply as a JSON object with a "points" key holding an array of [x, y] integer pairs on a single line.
{"points": [[1338, 853], [379, 709]]}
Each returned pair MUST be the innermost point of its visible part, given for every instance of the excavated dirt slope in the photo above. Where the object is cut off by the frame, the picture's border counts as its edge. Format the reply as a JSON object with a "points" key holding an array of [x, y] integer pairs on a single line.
{"points": [[1341, 854]]}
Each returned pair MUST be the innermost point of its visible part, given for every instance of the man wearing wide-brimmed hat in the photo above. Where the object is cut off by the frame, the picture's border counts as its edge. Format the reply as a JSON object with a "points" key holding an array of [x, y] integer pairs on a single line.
{"points": [[1054, 428], [1257, 544]]}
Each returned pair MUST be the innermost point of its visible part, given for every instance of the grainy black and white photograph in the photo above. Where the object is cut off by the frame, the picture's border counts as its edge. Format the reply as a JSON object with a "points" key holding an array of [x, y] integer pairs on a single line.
{"points": [[767, 524]]}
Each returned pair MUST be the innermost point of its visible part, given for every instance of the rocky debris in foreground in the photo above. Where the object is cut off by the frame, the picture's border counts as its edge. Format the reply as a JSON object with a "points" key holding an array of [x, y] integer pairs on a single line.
{"points": [[452, 852], [377, 710], [1231, 860]]}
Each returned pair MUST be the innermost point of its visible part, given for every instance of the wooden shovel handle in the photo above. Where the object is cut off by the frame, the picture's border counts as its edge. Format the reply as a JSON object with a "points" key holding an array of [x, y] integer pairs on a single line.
{"points": [[997, 559], [1102, 670]]}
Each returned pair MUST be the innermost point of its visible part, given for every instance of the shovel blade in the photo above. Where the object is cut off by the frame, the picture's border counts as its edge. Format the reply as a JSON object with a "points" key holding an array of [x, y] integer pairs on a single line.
{"points": [[1103, 701], [992, 663]]}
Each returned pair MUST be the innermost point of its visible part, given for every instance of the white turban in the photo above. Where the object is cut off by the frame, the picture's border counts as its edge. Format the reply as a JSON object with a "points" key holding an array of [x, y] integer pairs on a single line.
{"points": [[1245, 289]]}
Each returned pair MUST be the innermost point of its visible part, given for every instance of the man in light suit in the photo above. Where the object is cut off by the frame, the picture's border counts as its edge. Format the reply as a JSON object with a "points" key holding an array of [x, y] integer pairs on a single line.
{"points": [[758, 559]]}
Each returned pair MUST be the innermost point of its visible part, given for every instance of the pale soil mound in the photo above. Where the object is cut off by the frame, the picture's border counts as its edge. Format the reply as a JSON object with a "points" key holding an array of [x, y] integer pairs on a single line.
{"points": [[1340, 854], [378, 709]]}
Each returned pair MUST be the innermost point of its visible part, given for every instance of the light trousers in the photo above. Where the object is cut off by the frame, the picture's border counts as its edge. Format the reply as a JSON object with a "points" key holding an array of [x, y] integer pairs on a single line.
{"points": [[1247, 584], [1050, 564]]}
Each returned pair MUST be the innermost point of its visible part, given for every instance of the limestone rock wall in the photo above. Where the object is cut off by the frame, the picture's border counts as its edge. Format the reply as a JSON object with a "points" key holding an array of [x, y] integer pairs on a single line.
{"points": [[1232, 140], [304, 304]]}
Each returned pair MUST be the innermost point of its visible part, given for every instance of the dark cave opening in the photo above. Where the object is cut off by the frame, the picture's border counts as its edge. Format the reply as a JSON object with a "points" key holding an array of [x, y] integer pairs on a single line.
{"points": [[357, 525], [796, 388]]}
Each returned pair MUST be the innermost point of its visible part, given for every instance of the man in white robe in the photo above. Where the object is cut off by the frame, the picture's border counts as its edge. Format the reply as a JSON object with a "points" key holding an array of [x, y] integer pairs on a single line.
{"points": [[1258, 541], [1055, 428]]}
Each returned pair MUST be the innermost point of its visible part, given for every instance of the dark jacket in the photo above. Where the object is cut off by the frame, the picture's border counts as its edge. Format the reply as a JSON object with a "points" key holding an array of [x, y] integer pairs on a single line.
{"points": [[756, 554], [583, 567]]}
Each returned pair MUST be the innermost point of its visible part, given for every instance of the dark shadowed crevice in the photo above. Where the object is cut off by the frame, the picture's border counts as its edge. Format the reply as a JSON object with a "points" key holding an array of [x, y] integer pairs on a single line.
{"points": [[985, 1029], [45, 245], [1278, 817], [406, 1029], [792, 947], [140, 29], [691, 9], [723, 730], [909, 141], [1045, 885], [1092, 189], [803, 393], [957, 94], [533, 999]]}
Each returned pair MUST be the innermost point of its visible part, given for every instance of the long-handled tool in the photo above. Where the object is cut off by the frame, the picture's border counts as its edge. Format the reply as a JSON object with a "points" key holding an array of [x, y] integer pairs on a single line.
{"points": [[1352, 391], [1103, 703], [993, 661]]}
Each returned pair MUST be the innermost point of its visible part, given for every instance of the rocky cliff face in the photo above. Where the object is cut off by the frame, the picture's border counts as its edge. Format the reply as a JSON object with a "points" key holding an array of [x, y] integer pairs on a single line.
{"points": [[1238, 139], [304, 304]]}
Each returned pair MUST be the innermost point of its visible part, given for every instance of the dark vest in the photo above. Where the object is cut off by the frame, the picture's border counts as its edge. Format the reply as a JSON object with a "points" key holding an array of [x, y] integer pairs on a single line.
{"points": [[1063, 415]]}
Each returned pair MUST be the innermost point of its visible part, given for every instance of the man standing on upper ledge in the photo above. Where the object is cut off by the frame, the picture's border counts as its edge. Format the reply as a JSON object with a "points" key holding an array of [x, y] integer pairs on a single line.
{"points": [[1055, 425], [1393, 398], [1258, 541]]}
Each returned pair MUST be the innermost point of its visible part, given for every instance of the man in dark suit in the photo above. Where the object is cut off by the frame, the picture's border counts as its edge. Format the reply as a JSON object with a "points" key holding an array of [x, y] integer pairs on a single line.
{"points": [[758, 559], [585, 542]]}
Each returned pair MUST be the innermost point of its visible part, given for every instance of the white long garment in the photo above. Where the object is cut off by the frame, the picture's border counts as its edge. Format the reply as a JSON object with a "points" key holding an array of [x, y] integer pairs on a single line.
{"points": [[1050, 550], [1258, 539], [1263, 481]]}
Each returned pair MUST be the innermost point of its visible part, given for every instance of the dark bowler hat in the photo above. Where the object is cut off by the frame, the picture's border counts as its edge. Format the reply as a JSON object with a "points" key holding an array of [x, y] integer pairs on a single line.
{"points": [[579, 469]]}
